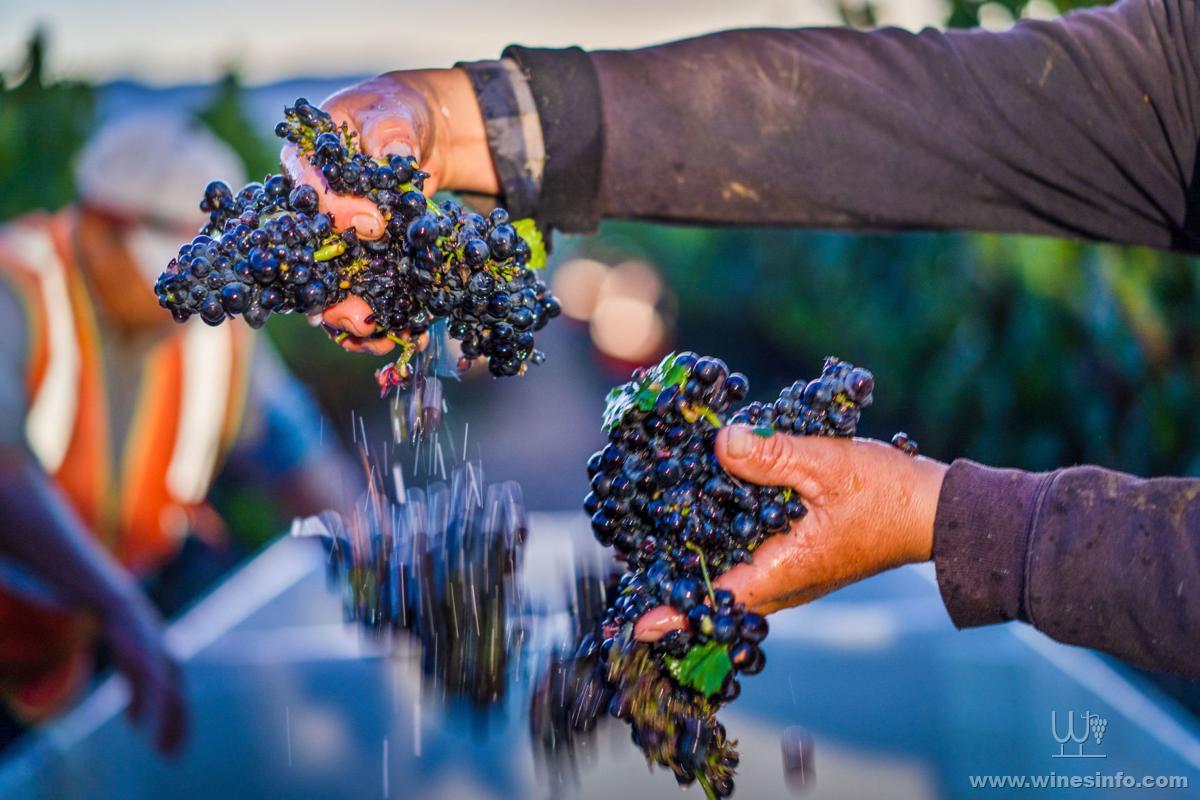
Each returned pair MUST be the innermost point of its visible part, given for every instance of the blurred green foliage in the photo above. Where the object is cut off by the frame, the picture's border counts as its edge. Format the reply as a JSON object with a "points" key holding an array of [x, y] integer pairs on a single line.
{"points": [[961, 13], [225, 115], [965, 13], [43, 123]]}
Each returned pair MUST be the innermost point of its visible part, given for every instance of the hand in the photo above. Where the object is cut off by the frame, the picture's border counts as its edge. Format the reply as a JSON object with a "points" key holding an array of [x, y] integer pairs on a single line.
{"points": [[430, 114], [871, 507], [134, 635]]}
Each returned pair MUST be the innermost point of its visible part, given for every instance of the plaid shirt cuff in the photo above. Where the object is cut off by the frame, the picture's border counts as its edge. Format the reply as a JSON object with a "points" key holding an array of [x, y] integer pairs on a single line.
{"points": [[514, 131]]}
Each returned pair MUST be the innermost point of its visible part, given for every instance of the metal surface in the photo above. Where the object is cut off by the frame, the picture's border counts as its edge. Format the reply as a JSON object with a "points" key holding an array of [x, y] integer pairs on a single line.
{"points": [[287, 702]]}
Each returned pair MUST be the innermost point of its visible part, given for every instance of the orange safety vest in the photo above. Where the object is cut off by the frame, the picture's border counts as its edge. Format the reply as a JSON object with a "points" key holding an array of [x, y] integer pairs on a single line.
{"points": [[187, 415]]}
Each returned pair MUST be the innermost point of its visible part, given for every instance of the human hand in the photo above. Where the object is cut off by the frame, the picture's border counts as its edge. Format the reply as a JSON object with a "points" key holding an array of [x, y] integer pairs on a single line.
{"points": [[431, 115], [871, 507], [133, 632]]}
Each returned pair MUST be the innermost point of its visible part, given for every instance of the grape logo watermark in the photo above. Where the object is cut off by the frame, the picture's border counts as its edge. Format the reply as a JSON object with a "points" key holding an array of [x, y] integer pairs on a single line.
{"points": [[1079, 735], [1071, 741]]}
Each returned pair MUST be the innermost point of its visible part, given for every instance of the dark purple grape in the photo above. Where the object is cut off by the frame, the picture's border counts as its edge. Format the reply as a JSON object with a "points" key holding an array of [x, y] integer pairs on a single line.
{"points": [[700, 620], [753, 627], [725, 629], [235, 298], [685, 595]]}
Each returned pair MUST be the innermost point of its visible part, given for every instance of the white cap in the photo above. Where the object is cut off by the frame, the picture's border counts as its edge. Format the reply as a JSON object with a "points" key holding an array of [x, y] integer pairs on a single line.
{"points": [[154, 165]]}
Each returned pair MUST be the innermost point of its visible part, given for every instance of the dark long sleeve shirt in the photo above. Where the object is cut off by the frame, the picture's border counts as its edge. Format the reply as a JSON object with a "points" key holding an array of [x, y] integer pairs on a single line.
{"points": [[1085, 126]]}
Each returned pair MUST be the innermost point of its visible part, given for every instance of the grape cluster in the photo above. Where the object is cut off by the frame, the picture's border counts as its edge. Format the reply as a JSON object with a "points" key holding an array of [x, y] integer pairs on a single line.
{"points": [[269, 249], [596, 681], [677, 519], [831, 405], [661, 499], [729, 624]]}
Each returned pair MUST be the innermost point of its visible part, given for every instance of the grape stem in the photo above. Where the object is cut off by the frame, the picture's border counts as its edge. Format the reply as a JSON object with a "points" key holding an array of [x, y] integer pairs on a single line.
{"points": [[704, 571], [709, 792], [692, 413], [407, 348], [330, 251]]}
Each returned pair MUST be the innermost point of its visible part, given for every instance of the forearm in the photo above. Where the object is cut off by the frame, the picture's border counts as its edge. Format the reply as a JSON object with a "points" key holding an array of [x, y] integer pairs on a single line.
{"points": [[1086, 555], [1080, 127], [39, 529]]}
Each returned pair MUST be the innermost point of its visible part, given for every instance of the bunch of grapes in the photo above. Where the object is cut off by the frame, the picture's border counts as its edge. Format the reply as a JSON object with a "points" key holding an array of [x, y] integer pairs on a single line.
{"points": [[677, 519], [269, 249], [661, 499]]}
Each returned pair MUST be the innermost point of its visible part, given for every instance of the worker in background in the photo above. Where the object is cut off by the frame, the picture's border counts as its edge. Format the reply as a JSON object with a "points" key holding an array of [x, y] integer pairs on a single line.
{"points": [[114, 422]]}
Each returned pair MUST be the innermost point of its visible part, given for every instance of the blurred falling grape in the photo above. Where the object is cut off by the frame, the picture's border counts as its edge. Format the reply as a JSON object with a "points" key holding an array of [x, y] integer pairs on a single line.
{"points": [[438, 565], [797, 746]]}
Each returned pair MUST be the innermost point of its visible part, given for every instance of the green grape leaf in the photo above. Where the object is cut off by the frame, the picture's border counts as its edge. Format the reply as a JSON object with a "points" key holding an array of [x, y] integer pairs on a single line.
{"points": [[616, 404], [527, 229], [672, 374], [643, 393], [704, 668], [644, 398]]}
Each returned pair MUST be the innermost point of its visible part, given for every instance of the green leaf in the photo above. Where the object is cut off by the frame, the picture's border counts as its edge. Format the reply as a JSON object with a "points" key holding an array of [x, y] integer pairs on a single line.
{"points": [[645, 399], [616, 404], [673, 374], [527, 229], [643, 394], [704, 668]]}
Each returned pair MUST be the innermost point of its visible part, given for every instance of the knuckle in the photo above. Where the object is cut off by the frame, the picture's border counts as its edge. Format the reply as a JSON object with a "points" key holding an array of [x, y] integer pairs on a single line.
{"points": [[779, 453]]}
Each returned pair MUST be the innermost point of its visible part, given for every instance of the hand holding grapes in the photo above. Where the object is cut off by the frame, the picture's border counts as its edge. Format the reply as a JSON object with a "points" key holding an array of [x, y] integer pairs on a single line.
{"points": [[430, 114], [871, 508]]}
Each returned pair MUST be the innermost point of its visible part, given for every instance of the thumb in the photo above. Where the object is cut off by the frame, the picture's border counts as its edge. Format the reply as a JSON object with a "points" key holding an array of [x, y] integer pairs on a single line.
{"points": [[390, 135], [352, 315], [346, 211], [767, 458]]}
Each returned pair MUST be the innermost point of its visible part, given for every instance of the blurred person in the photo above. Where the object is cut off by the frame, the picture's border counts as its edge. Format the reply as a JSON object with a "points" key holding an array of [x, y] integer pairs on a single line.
{"points": [[114, 421], [1085, 126]]}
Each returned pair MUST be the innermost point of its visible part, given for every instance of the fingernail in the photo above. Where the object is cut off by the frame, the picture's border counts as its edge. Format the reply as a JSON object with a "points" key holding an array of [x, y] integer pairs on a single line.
{"points": [[363, 222], [740, 442], [400, 149], [369, 319]]}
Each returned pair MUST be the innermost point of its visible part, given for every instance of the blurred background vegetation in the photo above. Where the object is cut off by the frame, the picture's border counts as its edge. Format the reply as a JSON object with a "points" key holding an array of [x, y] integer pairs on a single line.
{"points": [[1016, 351]]}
